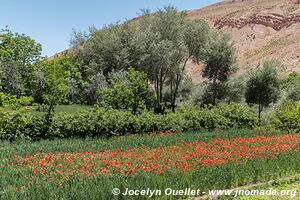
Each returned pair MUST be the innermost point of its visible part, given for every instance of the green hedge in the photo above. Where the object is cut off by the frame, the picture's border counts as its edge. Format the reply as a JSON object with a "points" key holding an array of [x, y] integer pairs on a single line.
{"points": [[110, 122]]}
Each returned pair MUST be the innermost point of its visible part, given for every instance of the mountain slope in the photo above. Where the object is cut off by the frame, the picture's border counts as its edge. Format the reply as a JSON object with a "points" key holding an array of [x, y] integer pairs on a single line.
{"points": [[261, 29]]}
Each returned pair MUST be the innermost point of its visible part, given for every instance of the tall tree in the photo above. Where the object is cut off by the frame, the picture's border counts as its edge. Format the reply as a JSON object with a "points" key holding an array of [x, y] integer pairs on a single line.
{"points": [[61, 78], [196, 38], [18, 56], [171, 41], [111, 48], [219, 63], [159, 44], [263, 86]]}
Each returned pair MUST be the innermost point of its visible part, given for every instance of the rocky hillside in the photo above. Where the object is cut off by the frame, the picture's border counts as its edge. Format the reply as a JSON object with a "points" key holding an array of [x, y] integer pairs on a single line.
{"points": [[261, 29]]}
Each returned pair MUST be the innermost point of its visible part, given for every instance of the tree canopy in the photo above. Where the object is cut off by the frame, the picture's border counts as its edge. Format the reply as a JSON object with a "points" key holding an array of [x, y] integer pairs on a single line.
{"points": [[219, 63], [263, 85], [158, 44], [18, 56]]}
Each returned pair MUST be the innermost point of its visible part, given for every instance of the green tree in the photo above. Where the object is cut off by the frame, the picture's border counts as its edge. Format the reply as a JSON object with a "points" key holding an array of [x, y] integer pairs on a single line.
{"points": [[61, 78], [219, 63], [263, 85], [159, 44], [230, 91], [290, 84], [18, 56], [171, 41], [234, 90], [112, 48], [92, 86], [131, 95]]}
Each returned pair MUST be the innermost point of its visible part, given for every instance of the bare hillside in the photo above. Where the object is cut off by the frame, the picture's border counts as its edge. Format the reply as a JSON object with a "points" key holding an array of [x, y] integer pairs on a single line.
{"points": [[261, 29]]}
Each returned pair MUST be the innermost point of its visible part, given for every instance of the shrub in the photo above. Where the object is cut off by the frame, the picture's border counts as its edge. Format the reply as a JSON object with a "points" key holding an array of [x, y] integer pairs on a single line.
{"points": [[287, 117], [7, 100], [12, 124], [293, 92], [130, 95], [12, 119], [110, 122], [238, 115]]}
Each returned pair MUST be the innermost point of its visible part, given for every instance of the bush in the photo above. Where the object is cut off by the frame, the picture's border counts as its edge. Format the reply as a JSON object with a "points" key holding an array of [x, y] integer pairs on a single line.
{"points": [[12, 123], [7, 100], [287, 117], [293, 92], [238, 115], [129, 95], [12, 119], [110, 122]]}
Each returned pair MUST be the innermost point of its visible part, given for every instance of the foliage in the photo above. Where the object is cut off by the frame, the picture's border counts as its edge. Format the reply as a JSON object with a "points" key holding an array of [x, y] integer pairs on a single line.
{"points": [[234, 90], [287, 117], [129, 94], [238, 115], [12, 118], [18, 56], [185, 89], [212, 94], [230, 91], [119, 77], [263, 85], [108, 49], [7, 100], [62, 80], [290, 84], [12, 124], [171, 41], [92, 86], [109, 122], [290, 80], [219, 64], [159, 45], [197, 94], [294, 93]]}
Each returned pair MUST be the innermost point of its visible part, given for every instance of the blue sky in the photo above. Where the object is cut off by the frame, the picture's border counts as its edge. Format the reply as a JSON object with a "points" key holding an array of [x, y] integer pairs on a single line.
{"points": [[50, 22]]}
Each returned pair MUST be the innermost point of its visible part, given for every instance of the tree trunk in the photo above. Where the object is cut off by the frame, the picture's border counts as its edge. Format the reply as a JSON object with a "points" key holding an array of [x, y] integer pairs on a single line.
{"points": [[160, 92], [260, 108], [178, 80], [177, 83], [214, 91], [157, 94], [171, 94]]}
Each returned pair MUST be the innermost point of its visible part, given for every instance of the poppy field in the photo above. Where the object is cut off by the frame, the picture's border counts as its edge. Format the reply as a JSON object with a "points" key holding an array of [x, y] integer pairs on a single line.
{"points": [[77, 169]]}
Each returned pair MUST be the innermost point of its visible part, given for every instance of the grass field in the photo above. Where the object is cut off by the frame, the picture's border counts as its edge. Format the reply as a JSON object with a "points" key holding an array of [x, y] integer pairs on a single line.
{"points": [[91, 168], [39, 110], [290, 184]]}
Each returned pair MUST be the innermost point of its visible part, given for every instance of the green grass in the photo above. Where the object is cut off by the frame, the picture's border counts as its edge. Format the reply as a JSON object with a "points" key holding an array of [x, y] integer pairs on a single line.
{"points": [[7, 149], [38, 110], [224, 176], [291, 184]]}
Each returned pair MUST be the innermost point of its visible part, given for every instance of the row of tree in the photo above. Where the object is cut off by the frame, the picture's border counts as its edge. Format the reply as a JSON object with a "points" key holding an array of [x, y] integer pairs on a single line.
{"points": [[119, 66]]}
